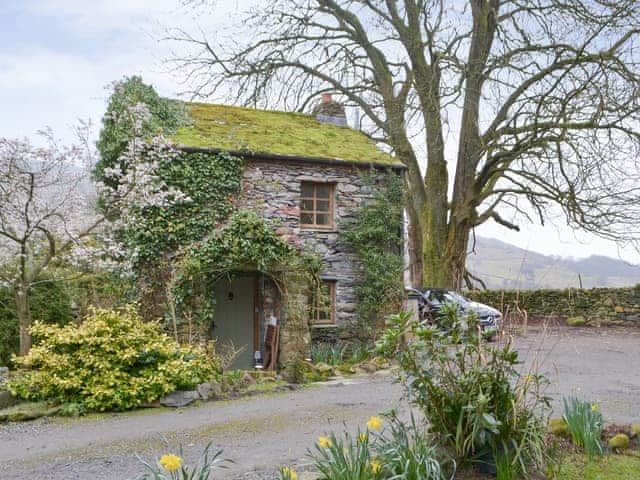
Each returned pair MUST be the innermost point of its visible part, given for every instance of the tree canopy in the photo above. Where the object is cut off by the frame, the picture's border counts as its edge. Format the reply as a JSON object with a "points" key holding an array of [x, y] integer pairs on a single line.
{"points": [[513, 107]]}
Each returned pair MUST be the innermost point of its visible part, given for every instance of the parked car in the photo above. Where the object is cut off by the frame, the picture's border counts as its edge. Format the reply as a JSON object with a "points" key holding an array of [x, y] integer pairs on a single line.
{"points": [[430, 301]]}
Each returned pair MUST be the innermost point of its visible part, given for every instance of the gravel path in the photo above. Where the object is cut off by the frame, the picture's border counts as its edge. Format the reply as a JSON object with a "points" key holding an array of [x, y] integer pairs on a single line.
{"points": [[258, 433], [262, 433], [597, 364]]}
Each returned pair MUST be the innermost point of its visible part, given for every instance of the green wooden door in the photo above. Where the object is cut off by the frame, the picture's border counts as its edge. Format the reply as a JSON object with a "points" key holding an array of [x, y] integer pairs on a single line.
{"points": [[233, 322]]}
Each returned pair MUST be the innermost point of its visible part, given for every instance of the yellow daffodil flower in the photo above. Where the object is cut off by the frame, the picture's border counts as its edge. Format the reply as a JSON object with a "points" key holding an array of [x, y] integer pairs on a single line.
{"points": [[595, 408], [170, 462], [374, 423], [375, 466], [363, 437], [324, 442], [289, 473]]}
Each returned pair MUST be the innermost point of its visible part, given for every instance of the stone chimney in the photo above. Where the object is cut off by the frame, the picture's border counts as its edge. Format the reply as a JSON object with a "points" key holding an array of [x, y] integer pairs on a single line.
{"points": [[328, 111]]}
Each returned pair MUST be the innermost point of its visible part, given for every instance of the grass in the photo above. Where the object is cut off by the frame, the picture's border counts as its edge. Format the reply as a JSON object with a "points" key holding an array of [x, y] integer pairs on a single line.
{"points": [[579, 467], [608, 467], [236, 128]]}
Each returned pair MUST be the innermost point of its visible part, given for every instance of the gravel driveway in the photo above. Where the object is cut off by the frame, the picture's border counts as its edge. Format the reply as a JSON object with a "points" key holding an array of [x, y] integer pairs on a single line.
{"points": [[258, 433], [261, 433], [601, 365]]}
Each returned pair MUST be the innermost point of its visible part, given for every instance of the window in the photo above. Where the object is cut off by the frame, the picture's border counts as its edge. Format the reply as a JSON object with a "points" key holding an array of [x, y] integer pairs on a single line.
{"points": [[316, 205], [323, 301]]}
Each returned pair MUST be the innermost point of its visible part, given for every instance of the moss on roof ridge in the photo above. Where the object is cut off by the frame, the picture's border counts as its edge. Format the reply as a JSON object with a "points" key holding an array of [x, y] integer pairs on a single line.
{"points": [[275, 132]]}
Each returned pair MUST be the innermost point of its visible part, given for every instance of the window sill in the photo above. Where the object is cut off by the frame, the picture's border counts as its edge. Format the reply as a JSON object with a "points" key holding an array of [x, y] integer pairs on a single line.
{"points": [[325, 325], [318, 229]]}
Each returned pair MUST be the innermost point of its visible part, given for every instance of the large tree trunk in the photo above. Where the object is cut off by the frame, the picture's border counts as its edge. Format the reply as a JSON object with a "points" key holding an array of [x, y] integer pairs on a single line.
{"points": [[434, 255], [24, 318], [414, 247], [457, 248], [434, 225], [445, 256]]}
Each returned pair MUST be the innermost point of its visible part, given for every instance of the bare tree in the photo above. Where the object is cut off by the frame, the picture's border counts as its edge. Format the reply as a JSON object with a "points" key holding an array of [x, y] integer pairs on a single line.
{"points": [[46, 208], [540, 96]]}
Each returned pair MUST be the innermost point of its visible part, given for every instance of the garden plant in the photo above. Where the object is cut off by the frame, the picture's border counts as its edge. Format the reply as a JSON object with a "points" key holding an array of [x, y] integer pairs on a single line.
{"points": [[111, 361], [480, 409], [173, 467], [585, 425]]}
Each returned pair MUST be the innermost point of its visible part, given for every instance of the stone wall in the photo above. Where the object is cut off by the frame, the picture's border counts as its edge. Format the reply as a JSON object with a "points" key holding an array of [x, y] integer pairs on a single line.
{"points": [[272, 189], [597, 306]]}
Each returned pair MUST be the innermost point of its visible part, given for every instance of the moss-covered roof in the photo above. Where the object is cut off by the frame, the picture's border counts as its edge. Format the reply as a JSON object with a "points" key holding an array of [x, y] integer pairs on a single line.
{"points": [[266, 131]]}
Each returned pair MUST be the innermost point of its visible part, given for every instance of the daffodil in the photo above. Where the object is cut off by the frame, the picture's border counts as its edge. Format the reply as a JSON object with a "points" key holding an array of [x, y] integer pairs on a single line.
{"points": [[289, 473], [363, 437], [595, 408], [374, 423], [324, 442], [375, 466], [170, 462]]}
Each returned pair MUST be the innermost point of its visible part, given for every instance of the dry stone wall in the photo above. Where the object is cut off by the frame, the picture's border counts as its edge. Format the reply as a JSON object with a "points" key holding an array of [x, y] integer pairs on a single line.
{"points": [[597, 306]]}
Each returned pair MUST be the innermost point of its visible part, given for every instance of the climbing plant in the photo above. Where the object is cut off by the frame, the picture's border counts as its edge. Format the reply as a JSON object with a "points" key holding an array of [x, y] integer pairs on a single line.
{"points": [[208, 183], [379, 248], [245, 242], [160, 198], [120, 123], [177, 221]]}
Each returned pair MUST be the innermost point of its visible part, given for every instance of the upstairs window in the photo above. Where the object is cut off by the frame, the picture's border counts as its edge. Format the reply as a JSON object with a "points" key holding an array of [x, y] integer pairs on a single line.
{"points": [[316, 205], [323, 304]]}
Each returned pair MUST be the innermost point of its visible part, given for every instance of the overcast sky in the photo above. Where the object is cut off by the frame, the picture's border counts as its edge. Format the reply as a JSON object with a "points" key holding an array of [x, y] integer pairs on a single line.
{"points": [[58, 56]]}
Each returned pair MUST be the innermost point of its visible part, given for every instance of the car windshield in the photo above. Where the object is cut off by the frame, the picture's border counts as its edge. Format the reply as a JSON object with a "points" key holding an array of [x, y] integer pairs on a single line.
{"points": [[453, 297]]}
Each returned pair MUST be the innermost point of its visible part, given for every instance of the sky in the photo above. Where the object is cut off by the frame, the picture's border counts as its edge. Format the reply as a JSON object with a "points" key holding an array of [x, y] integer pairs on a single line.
{"points": [[57, 58]]}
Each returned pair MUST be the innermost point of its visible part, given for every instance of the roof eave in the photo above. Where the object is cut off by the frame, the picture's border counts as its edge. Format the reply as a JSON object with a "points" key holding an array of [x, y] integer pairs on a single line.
{"points": [[294, 158]]}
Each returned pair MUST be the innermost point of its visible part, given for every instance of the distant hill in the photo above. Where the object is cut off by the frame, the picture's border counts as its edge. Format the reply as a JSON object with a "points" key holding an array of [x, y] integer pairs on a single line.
{"points": [[502, 265]]}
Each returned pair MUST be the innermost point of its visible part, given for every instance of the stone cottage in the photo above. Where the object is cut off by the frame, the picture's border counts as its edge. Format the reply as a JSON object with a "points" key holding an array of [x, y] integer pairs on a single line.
{"points": [[305, 175]]}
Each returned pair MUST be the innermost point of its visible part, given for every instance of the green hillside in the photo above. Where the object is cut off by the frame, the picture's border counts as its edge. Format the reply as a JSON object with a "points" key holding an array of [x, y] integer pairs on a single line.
{"points": [[502, 265]]}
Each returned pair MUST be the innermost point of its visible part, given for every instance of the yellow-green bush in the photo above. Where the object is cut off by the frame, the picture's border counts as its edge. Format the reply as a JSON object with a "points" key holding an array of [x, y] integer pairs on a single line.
{"points": [[111, 361]]}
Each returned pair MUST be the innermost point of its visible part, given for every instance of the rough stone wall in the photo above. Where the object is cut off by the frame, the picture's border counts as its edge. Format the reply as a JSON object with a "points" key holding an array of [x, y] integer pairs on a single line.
{"points": [[598, 306], [272, 189]]}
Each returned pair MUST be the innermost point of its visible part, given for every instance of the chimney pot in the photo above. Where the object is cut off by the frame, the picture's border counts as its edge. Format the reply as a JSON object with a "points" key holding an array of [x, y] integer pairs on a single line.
{"points": [[329, 111]]}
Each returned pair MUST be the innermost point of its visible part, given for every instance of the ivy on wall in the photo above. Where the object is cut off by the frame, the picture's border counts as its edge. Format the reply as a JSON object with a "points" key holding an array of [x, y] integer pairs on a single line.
{"points": [[245, 242], [210, 181], [376, 237], [118, 126]]}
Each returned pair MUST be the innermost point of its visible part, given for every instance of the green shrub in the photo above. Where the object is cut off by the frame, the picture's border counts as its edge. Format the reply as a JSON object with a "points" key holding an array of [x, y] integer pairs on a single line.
{"points": [[619, 442], [49, 303], [470, 392], [578, 321], [112, 361], [72, 410], [585, 424]]}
